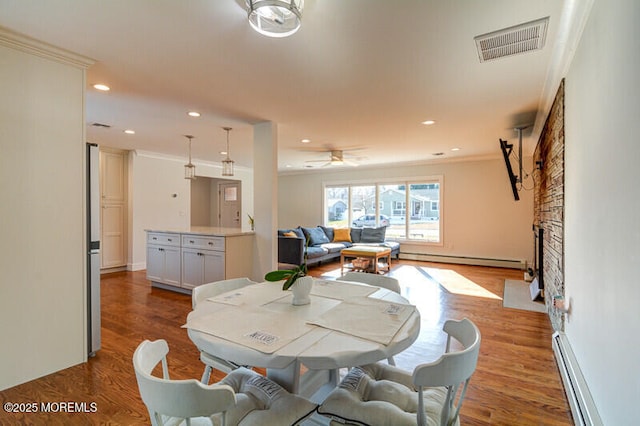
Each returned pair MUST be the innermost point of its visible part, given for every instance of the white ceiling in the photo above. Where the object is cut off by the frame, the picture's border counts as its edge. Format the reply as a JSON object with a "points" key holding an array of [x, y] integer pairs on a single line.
{"points": [[359, 74]]}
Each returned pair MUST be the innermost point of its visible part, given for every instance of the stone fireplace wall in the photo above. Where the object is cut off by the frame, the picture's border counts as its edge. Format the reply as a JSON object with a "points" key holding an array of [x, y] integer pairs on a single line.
{"points": [[548, 176]]}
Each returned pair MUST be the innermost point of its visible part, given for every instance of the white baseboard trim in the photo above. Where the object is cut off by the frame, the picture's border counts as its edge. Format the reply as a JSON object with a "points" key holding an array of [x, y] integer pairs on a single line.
{"points": [[136, 266], [466, 260], [583, 408], [115, 269]]}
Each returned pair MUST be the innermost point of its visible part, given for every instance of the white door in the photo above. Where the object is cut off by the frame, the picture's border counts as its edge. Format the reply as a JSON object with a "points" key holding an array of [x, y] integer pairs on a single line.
{"points": [[229, 204]]}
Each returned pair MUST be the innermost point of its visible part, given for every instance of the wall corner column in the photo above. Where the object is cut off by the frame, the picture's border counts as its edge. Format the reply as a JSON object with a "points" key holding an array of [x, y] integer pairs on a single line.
{"points": [[265, 190]]}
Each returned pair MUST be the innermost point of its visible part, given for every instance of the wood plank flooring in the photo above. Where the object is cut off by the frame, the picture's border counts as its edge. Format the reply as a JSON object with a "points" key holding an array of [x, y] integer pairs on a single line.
{"points": [[516, 381]]}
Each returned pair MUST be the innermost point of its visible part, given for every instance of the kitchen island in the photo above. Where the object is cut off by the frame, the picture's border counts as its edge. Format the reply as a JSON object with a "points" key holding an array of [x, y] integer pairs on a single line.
{"points": [[181, 259]]}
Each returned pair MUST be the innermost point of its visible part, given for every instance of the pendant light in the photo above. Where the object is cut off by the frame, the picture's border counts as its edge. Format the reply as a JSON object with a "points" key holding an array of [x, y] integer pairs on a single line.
{"points": [[189, 169], [227, 163], [275, 18]]}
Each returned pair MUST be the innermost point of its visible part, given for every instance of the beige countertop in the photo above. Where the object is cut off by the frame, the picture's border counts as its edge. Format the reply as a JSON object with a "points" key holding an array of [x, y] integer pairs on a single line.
{"points": [[206, 230]]}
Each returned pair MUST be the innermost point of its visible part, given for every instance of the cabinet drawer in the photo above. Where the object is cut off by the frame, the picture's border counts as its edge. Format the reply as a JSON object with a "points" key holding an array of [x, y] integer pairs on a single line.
{"points": [[164, 239], [201, 242]]}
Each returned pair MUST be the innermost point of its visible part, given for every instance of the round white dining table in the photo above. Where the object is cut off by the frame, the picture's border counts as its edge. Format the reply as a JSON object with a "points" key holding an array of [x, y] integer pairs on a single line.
{"points": [[346, 324]]}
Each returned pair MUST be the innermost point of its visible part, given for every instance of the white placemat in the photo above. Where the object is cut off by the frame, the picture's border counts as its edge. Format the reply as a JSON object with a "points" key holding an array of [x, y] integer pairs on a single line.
{"points": [[372, 319], [254, 294], [257, 329], [341, 290]]}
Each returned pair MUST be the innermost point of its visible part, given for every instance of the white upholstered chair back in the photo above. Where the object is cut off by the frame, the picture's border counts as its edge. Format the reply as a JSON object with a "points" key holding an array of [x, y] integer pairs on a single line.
{"points": [[377, 280], [200, 294], [433, 394], [204, 291]]}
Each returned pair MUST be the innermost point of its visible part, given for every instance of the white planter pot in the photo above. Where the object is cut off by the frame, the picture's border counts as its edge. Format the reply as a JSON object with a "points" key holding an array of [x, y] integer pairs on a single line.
{"points": [[301, 289]]}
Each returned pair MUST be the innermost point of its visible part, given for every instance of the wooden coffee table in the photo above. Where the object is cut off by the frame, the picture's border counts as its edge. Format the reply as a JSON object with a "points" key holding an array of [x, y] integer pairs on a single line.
{"points": [[374, 254]]}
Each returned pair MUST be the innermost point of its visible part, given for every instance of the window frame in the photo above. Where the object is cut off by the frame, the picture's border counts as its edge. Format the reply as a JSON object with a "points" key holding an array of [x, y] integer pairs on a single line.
{"points": [[400, 181]]}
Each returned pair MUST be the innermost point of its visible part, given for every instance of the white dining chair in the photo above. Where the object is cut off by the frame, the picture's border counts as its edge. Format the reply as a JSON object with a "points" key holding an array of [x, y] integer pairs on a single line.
{"points": [[380, 394], [205, 291], [243, 397], [382, 281], [377, 280], [200, 294]]}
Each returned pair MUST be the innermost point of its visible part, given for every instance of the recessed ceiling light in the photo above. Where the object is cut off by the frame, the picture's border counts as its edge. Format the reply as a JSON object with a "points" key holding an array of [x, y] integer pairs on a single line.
{"points": [[455, 149], [130, 132], [428, 122], [305, 140], [223, 152], [193, 114], [102, 87]]}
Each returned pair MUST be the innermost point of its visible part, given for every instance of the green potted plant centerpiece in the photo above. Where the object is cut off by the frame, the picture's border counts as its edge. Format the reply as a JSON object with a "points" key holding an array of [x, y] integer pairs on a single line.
{"points": [[295, 279]]}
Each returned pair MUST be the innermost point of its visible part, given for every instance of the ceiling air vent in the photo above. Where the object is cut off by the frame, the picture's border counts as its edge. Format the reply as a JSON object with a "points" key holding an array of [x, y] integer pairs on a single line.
{"points": [[513, 40]]}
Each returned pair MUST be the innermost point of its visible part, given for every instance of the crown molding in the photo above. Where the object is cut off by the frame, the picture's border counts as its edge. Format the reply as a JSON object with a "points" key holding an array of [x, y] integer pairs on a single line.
{"points": [[39, 48]]}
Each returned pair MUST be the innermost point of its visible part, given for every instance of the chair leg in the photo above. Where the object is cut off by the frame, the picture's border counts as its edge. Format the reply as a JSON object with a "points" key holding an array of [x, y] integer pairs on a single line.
{"points": [[206, 375], [391, 361]]}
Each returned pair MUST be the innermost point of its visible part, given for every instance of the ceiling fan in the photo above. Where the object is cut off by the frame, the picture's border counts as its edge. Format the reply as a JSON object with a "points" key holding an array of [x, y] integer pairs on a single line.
{"points": [[336, 158]]}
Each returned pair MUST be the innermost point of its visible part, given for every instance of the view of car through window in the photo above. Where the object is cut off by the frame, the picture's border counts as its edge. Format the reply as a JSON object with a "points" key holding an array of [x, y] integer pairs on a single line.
{"points": [[370, 221]]}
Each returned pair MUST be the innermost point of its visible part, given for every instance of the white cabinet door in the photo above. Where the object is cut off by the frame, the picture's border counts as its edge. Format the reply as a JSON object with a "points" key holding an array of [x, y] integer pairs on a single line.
{"points": [[172, 266], [163, 264], [192, 268], [113, 220], [201, 266], [113, 235], [213, 266], [155, 263], [113, 176]]}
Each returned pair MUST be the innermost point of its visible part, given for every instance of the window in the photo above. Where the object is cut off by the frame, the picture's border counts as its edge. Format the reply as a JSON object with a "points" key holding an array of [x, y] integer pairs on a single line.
{"points": [[385, 204], [336, 201], [399, 208]]}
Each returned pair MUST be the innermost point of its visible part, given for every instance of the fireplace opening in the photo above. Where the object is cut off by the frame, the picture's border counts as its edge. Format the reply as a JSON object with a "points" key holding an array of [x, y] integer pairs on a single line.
{"points": [[536, 287]]}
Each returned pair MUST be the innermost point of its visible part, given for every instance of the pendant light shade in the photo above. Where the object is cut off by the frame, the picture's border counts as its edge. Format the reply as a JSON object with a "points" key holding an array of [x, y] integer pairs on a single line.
{"points": [[189, 169], [227, 163], [275, 18]]}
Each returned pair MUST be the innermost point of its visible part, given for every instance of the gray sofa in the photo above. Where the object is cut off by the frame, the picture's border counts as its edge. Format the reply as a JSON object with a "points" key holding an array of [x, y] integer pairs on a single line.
{"points": [[322, 244]]}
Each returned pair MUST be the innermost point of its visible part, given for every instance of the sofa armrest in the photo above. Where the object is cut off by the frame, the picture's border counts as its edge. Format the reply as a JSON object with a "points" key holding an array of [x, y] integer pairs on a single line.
{"points": [[290, 250]]}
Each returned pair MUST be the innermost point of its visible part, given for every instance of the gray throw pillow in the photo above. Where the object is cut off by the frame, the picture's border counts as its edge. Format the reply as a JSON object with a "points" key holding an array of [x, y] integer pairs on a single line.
{"points": [[373, 235], [328, 231], [356, 233], [316, 236]]}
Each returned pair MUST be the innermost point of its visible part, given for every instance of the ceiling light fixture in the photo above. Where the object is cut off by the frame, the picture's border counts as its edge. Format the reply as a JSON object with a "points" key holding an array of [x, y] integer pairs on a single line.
{"points": [[227, 163], [189, 169], [428, 122], [102, 87], [275, 18], [130, 132], [193, 114]]}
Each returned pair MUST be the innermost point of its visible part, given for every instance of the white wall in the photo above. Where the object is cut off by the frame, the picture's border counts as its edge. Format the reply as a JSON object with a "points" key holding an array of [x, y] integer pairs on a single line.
{"points": [[602, 241], [480, 217], [42, 214], [155, 178]]}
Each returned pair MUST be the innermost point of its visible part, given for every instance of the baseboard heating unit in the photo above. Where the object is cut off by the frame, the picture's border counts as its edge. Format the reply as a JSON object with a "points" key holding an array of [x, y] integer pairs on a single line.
{"points": [[582, 406], [465, 260]]}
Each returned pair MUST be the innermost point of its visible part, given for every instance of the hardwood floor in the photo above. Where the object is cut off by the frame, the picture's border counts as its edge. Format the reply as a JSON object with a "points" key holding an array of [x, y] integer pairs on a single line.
{"points": [[516, 381]]}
